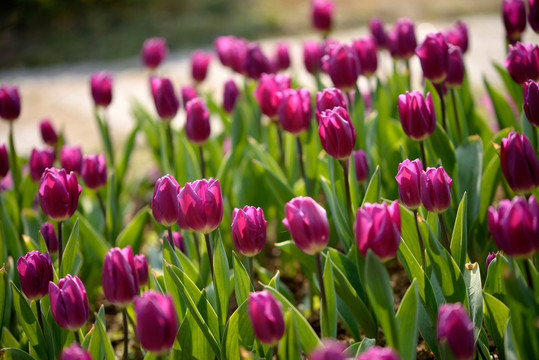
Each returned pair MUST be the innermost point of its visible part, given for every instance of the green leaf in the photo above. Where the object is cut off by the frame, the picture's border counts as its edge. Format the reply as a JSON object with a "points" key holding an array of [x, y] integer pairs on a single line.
{"points": [[131, 235], [472, 278], [238, 332], [494, 284], [70, 252], [339, 218], [93, 337], [3, 294], [92, 238], [496, 319], [192, 342], [222, 281], [459, 239], [504, 113], [443, 149], [469, 174], [307, 261], [511, 86], [104, 339], [407, 318], [10, 236], [15, 354], [124, 163], [242, 282], [372, 195], [331, 305], [489, 183], [289, 344]]}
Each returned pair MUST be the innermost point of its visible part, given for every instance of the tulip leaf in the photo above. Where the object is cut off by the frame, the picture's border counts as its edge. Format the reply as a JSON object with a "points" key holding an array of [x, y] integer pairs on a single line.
{"points": [[238, 333], [489, 183], [289, 345], [511, 86], [104, 339], [496, 319], [290, 248], [121, 167], [407, 319], [3, 295], [329, 330], [360, 347], [472, 278], [242, 283], [494, 283], [92, 339], [221, 281], [504, 113], [177, 300], [409, 232], [192, 342], [70, 252], [459, 239], [15, 354], [443, 149], [342, 226], [10, 236], [469, 174], [190, 269], [92, 238], [372, 195], [131, 235]]}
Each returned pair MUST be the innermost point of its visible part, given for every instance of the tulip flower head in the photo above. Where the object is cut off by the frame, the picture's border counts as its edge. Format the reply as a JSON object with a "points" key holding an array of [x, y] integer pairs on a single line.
{"points": [[456, 330], [39, 161], [200, 61], [417, 115], [402, 40], [48, 134], [266, 317], [433, 54], [188, 93], [361, 165], [322, 14], [120, 278], [71, 158], [533, 15], [69, 303], [313, 52], [201, 206], [379, 353], [282, 57], [409, 180], [514, 19], [519, 164], [58, 194], [367, 54], [330, 350], [49, 236], [4, 161], [295, 110], [249, 230], [436, 190], [327, 99], [154, 51], [455, 70], [177, 240], [223, 47], [256, 62], [165, 99], [35, 273], [491, 256], [458, 36], [74, 352], [268, 93], [10, 102], [522, 62], [342, 65], [230, 96], [101, 87], [197, 125], [337, 133], [141, 267], [94, 171], [531, 102], [378, 32], [165, 205]]}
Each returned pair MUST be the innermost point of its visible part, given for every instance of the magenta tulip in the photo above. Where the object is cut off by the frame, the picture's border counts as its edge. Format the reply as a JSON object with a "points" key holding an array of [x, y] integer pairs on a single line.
{"points": [[69, 303], [531, 102], [457, 36], [295, 111], [10, 102], [456, 330], [520, 165], [94, 171], [409, 180], [230, 96], [35, 273], [327, 99], [361, 165], [337, 133], [282, 58], [367, 54], [154, 51], [4, 161], [101, 87], [402, 40], [330, 350], [514, 19], [71, 158], [165, 205], [197, 125], [455, 70], [200, 61], [433, 54], [188, 93], [39, 161], [141, 267], [119, 278], [177, 240], [249, 230], [268, 93], [417, 115], [378, 32], [58, 194], [223, 48], [342, 66], [491, 256], [165, 99], [533, 15], [379, 353], [322, 14], [201, 206], [312, 56], [74, 352], [48, 134], [266, 317], [256, 63], [436, 190], [49, 236], [522, 62]]}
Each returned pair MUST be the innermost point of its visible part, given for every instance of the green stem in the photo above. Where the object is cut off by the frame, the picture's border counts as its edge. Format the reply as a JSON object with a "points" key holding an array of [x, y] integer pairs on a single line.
{"points": [[126, 333], [15, 175], [251, 272], [202, 163], [457, 120], [104, 211], [171, 144], [344, 166], [60, 248], [421, 244], [445, 235], [423, 155], [409, 74], [535, 130], [301, 164], [440, 92], [528, 274], [77, 336], [40, 315], [281, 146], [210, 254], [170, 238], [324, 314], [197, 247]]}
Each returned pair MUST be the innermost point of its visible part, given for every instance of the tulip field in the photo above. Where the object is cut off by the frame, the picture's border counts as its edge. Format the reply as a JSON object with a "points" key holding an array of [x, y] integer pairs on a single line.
{"points": [[362, 217]]}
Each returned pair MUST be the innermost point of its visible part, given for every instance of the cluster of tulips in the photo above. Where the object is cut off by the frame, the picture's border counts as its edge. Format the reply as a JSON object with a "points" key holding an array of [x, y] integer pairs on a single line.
{"points": [[459, 183]]}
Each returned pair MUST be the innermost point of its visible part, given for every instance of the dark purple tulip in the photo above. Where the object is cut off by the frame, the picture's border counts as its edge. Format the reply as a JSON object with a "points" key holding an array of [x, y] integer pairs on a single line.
{"points": [[35, 273], [165, 205], [282, 56], [376, 27], [94, 171], [58, 194], [154, 51], [458, 36], [256, 63], [322, 13], [378, 228], [141, 267], [514, 19], [533, 15], [436, 190], [367, 55], [119, 278], [157, 323], [456, 330], [48, 134], [402, 40], [197, 125], [331, 350], [201, 206], [69, 303], [295, 111], [515, 226], [327, 99], [177, 239], [200, 61], [10, 102], [4, 161], [249, 230], [101, 86], [71, 158], [165, 99], [308, 224], [39, 161], [361, 165], [74, 352], [230, 96], [522, 62], [49, 236], [188, 93], [312, 56], [531, 102], [268, 93], [455, 70], [223, 47], [337, 133], [342, 66], [379, 353], [409, 180], [533, 61], [417, 115], [266, 316], [491, 256], [433, 54], [520, 165]]}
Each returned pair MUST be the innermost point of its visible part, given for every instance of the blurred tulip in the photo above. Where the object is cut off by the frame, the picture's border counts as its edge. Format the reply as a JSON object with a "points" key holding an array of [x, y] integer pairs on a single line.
{"points": [[282, 58], [295, 110], [533, 15], [455, 69], [201, 206], [58, 194], [165, 205], [165, 99], [4, 161], [520, 165], [376, 27], [367, 55], [200, 61], [238, 55], [230, 96], [71, 158], [35, 273], [417, 115], [409, 180], [141, 267], [327, 99], [223, 46], [39, 161], [456, 330], [177, 240], [433, 54], [312, 56], [379, 353], [522, 62], [330, 350], [361, 165], [49, 236], [188, 93], [268, 93], [48, 134], [69, 303], [101, 86], [514, 19], [402, 40], [266, 317], [94, 171], [154, 51], [74, 352], [342, 66], [249, 230], [322, 14], [491, 256], [256, 63], [10, 102], [337, 133], [119, 277], [458, 36], [531, 102], [436, 190], [197, 125]]}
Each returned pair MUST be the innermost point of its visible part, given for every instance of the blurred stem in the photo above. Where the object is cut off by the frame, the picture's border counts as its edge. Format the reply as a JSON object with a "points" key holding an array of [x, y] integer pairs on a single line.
{"points": [[60, 248], [445, 235], [171, 144], [126, 333], [276, 351], [324, 307], [105, 134], [421, 245], [440, 92], [454, 100], [77, 336], [197, 247], [104, 211], [281, 146], [350, 102], [251, 272], [202, 164], [409, 74], [528, 274], [13, 162], [344, 166], [319, 84], [170, 238], [39, 315], [423, 155], [210, 254], [301, 164]]}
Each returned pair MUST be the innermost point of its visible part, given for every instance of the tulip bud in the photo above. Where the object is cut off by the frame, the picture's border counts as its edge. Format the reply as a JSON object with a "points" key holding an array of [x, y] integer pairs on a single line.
{"points": [[515, 226], [4, 161], [268, 93], [188, 93], [35, 272], [230, 96], [455, 70], [223, 46], [457, 36], [154, 51], [327, 99], [165, 99], [69, 303], [522, 62], [249, 230], [10, 102], [514, 19], [409, 180], [456, 329], [165, 205], [376, 27], [199, 65], [157, 324], [48, 134], [379, 353], [308, 224], [39, 161], [531, 102], [533, 15], [282, 56], [342, 66], [367, 55], [491, 256], [312, 56], [49, 236], [322, 13], [201, 206], [520, 165], [177, 240], [71, 158], [433, 54], [402, 41], [58, 194], [74, 352], [197, 126], [337, 133], [266, 317], [119, 279], [256, 63], [378, 228], [418, 118], [436, 190], [331, 350], [141, 267], [361, 165], [94, 171], [295, 111], [101, 86]]}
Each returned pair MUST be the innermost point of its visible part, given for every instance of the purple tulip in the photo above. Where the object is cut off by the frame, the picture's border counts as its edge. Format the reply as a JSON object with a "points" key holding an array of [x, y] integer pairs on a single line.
{"points": [[322, 13], [35, 272], [522, 62], [342, 66], [282, 58], [308, 224], [327, 99], [74, 352], [402, 40], [367, 55], [10, 102], [119, 278], [177, 239], [533, 15], [165, 99], [515, 226], [312, 56], [491, 256], [256, 63], [337, 133], [101, 86], [520, 165], [223, 47], [436, 190], [295, 111], [201, 206], [268, 93], [69, 303], [531, 102], [197, 125], [376, 27], [4, 161], [330, 350], [455, 69], [157, 323], [266, 316], [58, 194], [417, 115], [230, 96], [165, 205], [378, 228], [379, 353], [361, 165], [141, 267], [409, 180], [458, 36], [48, 134], [514, 19], [39, 161], [188, 93], [433, 54], [456, 330], [249, 230], [49, 236], [154, 51], [94, 171], [238, 55], [200, 61], [71, 158]]}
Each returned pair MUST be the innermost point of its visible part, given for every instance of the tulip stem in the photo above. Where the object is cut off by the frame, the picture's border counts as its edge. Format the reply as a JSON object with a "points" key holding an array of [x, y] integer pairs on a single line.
{"points": [[60, 248], [171, 143], [344, 166], [276, 351], [104, 211], [170, 238], [301, 164], [324, 308], [457, 121], [281, 146], [13, 164], [202, 164], [445, 235], [197, 247], [126, 333], [251, 272], [77, 336], [210, 255], [528, 274], [440, 92], [409, 73], [423, 154], [40, 315], [420, 238]]}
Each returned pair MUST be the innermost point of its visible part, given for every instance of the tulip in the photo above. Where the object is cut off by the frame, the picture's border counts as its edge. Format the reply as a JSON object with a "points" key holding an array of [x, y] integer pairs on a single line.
{"points": [[238, 56], [266, 317], [157, 324], [69, 303], [361, 165], [457, 36], [378, 228], [58, 194], [417, 116], [177, 240], [39, 161], [165, 205], [4, 161], [409, 180], [327, 99], [455, 69], [35, 272], [514, 19], [331, 350], [256, 63], [200, 61], [188, 93], [10, 102], [230, 96], [531, 102], [268, 93], [533, 15], [533, 61], [367, 55], [337, 133], [223, 48], [515, 226], [379, 353], [282, 57], [522, 62], [376, 27], [74, 352], [71, 158], [295, 110], [312, 56], [165, 99], [322, 13], [249, 230], [308, 224], [49, 236], [201, 206], [433, 54], [141, 267], [119, 278], [491, 256], [436, 190], [48, 134], [197, 126], [94, 171], [402, 41], [456, 330], [6, 183], [154, 51], [520, 165], [342, 66], [101, 86]]}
